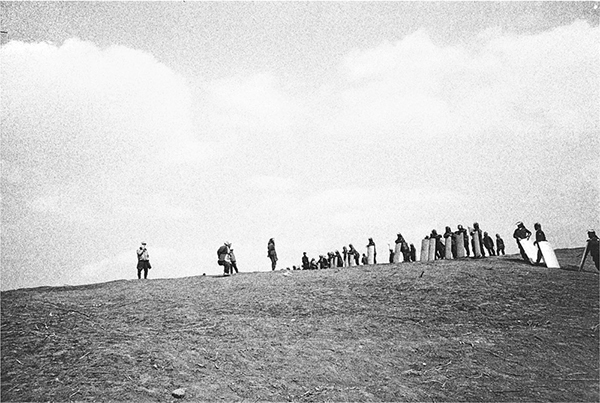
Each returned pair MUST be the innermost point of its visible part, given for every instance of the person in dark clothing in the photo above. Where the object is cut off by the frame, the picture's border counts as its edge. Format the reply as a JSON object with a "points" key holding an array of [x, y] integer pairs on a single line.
{"points": [[372, 243], [488, 242], [539, 237], [353, 255], [449, 237], [365, 260], [404, 248], [499, 245], [305, 262], [440, 249], [392, 253], [593, 244], [462, 230], [271, 253], [323, 262], [313, 264], [521, 233], [413, 253], [340, 262]]}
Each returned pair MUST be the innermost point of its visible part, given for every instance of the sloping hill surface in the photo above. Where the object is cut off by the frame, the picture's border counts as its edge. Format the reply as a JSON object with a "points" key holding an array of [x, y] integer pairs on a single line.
{"points": [[488, 330]]}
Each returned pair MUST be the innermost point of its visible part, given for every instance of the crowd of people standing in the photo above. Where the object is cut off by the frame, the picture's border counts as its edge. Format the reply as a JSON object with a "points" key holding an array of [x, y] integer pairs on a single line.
{"points": [[451, 245]]}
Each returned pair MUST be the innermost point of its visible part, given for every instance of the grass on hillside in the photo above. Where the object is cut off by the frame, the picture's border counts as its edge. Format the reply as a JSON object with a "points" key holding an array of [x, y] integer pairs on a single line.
{"points": [[487, 330]]}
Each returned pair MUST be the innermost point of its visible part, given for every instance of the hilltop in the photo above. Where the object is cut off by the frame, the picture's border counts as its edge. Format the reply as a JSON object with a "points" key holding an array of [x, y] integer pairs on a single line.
{"points": [[488, 330]]}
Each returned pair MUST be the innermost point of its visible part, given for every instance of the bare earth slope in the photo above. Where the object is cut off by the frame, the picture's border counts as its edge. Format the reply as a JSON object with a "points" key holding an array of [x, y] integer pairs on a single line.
{"points": [[488, 330]]}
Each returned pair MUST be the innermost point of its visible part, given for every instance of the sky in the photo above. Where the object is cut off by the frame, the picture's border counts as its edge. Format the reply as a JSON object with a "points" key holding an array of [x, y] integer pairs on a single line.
{"points": [[318, 124]]}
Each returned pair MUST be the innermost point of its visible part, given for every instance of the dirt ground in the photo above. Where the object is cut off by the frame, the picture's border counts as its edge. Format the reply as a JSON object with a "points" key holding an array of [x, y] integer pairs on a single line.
{"points": [[493, 329]]}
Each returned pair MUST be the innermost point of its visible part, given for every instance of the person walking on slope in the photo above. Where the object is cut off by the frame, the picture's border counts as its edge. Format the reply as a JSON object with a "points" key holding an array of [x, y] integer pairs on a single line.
{"points": [[463, 231], [539, 237], [488, 242], [271, 253], [521, 233], [499, 245], [223, 258], [593, 244], [143, 261]]}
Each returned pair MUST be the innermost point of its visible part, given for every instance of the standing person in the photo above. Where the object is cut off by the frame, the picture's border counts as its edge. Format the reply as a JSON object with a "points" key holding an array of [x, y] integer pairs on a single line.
{"points": [[488, 242], [223, 258], [440, 250], [521, 233], [463, 231], [143, 261], [391, 254], [271, 253], [499, 245], [354, 254], [365, 260], [403, 248], [413, 253], [340, 262], [539, 237], [232, 260], [477, 232], [345, 253], [372, 243], [593, 244], [305, 262], [449, 237]]}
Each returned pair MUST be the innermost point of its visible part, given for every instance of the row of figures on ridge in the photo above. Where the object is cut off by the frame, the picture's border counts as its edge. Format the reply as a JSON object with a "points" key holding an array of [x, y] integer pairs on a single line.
{"points": [[460, 243], [350, 257]]}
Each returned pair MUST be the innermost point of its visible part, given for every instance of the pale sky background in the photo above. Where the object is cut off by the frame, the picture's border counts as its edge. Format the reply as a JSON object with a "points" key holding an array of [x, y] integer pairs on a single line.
{"points": [[318, 124]]}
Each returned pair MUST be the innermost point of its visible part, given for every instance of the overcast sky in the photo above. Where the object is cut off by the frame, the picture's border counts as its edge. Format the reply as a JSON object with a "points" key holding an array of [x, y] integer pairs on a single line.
{"points": [[185, 125]]}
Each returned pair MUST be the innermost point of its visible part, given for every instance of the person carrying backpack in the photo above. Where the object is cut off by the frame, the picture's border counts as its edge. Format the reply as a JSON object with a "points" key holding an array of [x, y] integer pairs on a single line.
{"points": [[223, 258]]}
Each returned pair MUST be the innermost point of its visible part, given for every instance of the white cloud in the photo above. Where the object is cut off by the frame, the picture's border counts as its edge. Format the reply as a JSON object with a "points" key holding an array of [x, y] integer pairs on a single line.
{"points": [[271, 183], [96, 107], [250, 103], [542, 84]]}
